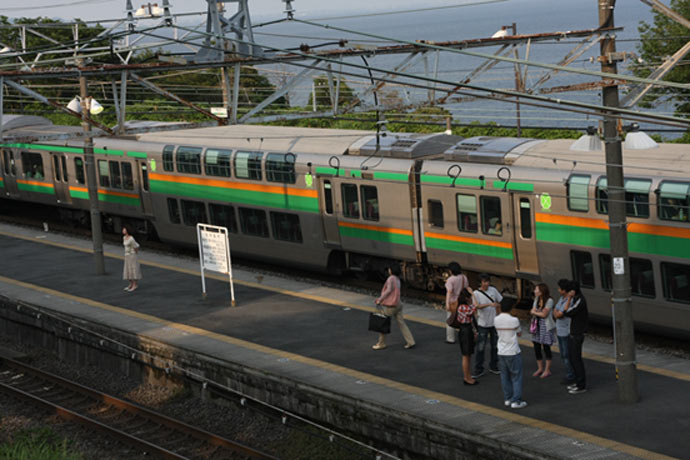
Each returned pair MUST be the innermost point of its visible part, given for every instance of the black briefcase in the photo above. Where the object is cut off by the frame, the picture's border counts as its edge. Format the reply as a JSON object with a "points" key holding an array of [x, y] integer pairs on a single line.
{"points": [[379, 323]]}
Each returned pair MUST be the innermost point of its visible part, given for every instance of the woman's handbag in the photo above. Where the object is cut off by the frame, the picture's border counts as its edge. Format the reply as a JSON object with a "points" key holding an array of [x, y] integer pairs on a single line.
{"points": [[453, 320], [379, 322], [534, 325]]}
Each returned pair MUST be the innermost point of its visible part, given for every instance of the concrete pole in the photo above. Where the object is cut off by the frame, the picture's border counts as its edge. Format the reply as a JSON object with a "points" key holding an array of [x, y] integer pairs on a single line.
{"points": [[623, 326], [96, 232]]}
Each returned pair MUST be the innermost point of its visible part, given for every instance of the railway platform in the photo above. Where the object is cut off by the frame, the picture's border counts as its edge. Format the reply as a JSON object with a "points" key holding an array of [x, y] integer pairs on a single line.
{"points": [[311, 343]]}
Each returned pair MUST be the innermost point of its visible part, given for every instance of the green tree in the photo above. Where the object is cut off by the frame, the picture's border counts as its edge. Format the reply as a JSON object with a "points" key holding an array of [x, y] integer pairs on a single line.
{"points": [[323, 92], [663, 38]]}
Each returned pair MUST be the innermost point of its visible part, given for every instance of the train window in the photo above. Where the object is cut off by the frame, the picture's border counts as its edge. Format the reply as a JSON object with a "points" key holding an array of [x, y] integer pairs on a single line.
{"points": [[636, 197], [248, 165], [674, 201], [193, 212], [350, 201], [103, 174], [64, 168], [328, 196], [79, 170], [642, 277], [253, 222], [286, 227], [435, 213], [10, 168], [467, 213], [32, 165], [189, 160], [525, 218], [605, 271], [370, 202], [223, 216], [602, 196], [280, 168], [578, 193], [127, 178], [145, 177], [173, 211], [676, 279], [115, 179], [583, 269], [56, 168], [217, 162], [491, 215], [168, 158]]}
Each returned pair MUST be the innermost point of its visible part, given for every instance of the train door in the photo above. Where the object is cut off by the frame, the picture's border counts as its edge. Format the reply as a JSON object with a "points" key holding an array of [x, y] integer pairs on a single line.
{"points": [[60, 177], [525, 244], [329, 214], [144, 191], [9, 174]]}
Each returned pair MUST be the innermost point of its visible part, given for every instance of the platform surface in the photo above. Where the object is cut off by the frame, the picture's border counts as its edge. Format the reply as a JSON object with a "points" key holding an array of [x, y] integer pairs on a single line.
{"points": [[319, 335]]}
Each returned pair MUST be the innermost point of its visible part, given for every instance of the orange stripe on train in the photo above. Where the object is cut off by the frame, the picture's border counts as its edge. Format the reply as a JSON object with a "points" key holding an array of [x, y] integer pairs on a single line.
{"points": [[35, 182], [464, 239], [235, 185], [105, 192], [633, 227], [398, 231]]}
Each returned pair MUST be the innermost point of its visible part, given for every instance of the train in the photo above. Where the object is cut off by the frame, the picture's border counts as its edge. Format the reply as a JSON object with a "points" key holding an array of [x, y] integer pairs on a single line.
{"points": [[524, 210]]}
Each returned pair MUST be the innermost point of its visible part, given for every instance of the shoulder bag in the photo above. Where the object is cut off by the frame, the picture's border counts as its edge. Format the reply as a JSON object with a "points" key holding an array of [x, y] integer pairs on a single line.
{"points": [[453, 320]]}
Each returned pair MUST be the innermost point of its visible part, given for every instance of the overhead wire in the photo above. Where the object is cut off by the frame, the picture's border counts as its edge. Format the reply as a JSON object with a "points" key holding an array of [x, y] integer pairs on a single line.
{"points": [[559, 103]]}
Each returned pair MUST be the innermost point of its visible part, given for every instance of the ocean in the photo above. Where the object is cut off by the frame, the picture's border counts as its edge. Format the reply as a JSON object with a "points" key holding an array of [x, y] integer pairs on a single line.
{"points": [[477, 21]]}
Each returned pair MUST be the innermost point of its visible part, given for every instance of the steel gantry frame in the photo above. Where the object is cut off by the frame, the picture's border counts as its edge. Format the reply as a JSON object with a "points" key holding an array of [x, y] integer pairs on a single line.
{"points": [[229, 43]]}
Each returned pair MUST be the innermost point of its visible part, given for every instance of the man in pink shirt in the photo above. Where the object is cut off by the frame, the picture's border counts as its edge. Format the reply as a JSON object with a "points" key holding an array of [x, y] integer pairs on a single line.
{"points": [[454, 286], [389, 301]]}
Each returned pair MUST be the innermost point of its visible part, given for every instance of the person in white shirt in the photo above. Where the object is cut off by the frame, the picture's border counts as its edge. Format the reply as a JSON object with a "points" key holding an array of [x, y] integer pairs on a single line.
{"points": [[488, 300], [509, 356]]}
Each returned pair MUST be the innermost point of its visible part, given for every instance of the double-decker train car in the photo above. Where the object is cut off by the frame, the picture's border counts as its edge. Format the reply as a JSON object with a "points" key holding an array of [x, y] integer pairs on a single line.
{"points": [[524, 210]]}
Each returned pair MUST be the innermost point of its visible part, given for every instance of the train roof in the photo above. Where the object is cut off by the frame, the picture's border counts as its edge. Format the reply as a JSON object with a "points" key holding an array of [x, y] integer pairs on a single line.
{"points": [[667, 160], [267, 138]]}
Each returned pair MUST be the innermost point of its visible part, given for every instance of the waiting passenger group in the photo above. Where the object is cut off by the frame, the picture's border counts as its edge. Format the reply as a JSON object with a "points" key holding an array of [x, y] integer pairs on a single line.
{"points": [[480, 318]]}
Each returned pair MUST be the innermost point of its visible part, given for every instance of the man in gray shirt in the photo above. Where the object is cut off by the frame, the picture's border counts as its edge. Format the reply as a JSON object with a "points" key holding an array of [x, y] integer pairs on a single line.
{"points": [[563, 331]]}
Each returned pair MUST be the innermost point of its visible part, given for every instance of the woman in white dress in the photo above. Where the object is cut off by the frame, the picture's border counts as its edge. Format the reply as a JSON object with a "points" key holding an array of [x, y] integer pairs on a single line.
{"points": [[131, 271]]}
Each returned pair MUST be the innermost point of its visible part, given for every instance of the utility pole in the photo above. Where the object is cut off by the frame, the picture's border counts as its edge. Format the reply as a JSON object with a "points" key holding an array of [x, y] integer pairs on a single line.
{"points": [[518, 82], [96, 232], [624, 332]]}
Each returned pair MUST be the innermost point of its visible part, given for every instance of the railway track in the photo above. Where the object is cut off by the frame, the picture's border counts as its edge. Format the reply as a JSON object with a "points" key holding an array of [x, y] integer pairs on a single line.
{"points": [[146, 430]]}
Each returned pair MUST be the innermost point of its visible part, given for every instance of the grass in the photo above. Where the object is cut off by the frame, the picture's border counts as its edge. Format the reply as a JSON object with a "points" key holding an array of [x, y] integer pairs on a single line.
{"points": [[37, 444]]}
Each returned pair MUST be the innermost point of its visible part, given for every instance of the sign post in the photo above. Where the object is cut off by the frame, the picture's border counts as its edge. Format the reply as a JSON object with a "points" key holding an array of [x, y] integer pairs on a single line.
{"points": [[214, 254]]}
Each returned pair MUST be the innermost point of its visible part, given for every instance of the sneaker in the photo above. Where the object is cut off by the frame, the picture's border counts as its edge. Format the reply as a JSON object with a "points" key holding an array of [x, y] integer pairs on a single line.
{"points": [[577, 391], [506, 402], [572, 386], [409, 345], [495, 371], [476, 375], [378, 346], [518, 405]]}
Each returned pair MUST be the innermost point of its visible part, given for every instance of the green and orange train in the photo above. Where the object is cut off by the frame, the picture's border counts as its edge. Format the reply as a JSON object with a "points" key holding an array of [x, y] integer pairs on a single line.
{"points": [[524, 210]]}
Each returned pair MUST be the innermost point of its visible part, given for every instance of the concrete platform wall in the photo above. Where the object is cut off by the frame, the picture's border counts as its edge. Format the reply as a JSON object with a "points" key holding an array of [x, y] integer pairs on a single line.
{"points": [[140, 358]]}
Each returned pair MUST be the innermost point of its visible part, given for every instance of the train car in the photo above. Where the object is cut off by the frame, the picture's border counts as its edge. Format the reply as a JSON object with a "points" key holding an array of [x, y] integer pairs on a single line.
{"points": [[524, 210]]}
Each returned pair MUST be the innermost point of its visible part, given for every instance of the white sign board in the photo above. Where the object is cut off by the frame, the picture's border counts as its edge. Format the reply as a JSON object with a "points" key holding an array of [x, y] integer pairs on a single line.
{"points": [[214, 254], [619, 265], [214, 250]]}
